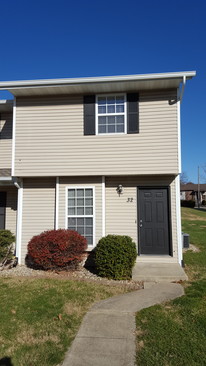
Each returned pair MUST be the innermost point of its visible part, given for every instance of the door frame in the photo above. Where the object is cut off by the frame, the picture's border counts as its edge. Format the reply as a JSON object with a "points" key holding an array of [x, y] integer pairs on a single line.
{"points": [[169, 216]]}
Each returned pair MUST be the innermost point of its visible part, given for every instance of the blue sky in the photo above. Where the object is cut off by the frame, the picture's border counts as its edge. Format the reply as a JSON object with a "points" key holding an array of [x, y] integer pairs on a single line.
{"points": [[51, 39]]}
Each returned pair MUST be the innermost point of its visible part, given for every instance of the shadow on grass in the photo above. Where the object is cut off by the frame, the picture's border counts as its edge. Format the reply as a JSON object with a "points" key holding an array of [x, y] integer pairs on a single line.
{"points": [[200, 209], [6, 361]]}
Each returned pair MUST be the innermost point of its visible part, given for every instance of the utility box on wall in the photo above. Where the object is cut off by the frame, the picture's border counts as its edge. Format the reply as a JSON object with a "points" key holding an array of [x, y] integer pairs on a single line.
{"points": [[185, 240]]}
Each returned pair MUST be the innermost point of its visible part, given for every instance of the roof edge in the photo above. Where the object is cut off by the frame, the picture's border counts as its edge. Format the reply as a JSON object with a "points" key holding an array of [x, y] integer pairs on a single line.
{"points": [[100, 79]]}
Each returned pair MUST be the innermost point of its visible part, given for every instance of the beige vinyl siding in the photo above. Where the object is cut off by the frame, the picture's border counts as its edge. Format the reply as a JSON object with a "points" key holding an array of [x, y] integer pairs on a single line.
{"points": [[11, 207], [38, 208], [84, 182], [121, 215], [50, 139], [5, 140]]}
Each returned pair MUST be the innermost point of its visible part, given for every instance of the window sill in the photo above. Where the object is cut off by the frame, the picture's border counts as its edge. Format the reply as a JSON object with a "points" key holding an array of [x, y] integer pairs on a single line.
{"points": [[111, 134]]}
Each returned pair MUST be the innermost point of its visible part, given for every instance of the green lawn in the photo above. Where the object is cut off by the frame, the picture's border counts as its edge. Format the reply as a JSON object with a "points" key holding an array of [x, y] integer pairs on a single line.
{"points": [[174, 334], [40, 317]]}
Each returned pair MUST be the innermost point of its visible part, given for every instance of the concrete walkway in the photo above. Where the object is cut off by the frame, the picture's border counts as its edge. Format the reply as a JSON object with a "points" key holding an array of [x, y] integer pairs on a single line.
{"points": [[107, 333]]}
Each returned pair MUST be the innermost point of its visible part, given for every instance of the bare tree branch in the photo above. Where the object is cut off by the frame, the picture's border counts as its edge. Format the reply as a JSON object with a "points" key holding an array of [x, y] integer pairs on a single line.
{"points": [[184, 178]]}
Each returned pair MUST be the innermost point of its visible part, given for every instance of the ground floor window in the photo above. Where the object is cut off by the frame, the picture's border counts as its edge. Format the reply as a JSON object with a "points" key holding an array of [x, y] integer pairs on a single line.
{"points": [[80, 212]]}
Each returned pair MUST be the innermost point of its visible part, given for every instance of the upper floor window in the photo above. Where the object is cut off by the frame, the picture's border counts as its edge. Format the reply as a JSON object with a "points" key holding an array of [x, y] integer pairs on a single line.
{"points": [[111, 114]]}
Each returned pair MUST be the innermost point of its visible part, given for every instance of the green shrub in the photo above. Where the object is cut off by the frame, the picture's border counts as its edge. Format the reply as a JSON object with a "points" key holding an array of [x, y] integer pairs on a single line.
{"points": [[190, 203], [115, 256], [6, 248], [204, 202]]}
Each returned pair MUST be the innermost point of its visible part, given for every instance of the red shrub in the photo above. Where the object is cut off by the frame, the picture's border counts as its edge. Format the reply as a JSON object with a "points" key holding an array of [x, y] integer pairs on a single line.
{"points": [[56, 249]]}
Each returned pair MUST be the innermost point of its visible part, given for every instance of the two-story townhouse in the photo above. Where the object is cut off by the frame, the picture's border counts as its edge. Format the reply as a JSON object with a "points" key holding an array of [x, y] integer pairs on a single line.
{"points": [[99, 155]]}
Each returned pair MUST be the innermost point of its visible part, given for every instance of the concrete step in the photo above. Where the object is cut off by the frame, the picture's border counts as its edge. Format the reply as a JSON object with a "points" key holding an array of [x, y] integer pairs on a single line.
{"points": [[156, 259], [158, 272]]}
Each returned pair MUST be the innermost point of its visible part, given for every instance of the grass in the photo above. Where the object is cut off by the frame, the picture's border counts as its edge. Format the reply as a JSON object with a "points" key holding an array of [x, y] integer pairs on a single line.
{"points": [[194, 223], [39, 318], [175, 333]]}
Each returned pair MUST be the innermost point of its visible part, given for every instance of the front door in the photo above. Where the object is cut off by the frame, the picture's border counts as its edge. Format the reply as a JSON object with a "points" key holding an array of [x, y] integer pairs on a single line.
{"points": [[2, 209], [153, 221]]}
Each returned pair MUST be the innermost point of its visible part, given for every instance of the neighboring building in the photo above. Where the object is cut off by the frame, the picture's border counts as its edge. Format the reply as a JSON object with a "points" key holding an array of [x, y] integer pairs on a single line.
{"points": [[189, 192], [98, 155]]}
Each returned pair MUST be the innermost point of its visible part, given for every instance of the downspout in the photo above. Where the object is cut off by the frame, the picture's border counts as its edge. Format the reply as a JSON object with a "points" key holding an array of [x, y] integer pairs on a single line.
{"points": [[103, 206], [57, 204], [181, 92], [177, 179], [19, 186]]}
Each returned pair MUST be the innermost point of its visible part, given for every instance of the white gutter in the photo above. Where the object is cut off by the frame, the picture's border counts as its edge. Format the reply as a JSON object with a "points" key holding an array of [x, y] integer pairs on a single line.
{"points": [[6, 179], [69, 81], [19, 186], [182, 89], [177, 179]]}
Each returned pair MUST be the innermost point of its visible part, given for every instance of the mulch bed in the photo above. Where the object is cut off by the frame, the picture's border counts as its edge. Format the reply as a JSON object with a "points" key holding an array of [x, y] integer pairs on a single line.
{"points": [[81, 274]]}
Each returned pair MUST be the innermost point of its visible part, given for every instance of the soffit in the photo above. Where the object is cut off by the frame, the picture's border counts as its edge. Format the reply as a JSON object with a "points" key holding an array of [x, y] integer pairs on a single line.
{"points": [[96, 84], [6, 106]]}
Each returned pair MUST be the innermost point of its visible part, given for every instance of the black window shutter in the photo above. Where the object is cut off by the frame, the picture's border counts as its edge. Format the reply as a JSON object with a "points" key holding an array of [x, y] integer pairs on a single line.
{"points": [[2, 210], [133, 113], [89, 115]]}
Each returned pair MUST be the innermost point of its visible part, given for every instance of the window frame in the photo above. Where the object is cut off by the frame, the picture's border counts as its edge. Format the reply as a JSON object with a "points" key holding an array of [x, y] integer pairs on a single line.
{"points": [[89, 246], [110, 114]]}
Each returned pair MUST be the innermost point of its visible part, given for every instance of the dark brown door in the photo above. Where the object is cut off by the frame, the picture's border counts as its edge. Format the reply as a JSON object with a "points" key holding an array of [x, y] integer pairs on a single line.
{"points": [[153, 221], [2, 209]]}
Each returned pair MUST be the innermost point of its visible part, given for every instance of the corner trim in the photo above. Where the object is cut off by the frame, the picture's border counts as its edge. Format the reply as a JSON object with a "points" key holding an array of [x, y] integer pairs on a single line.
{"points": [[178, 218], [19, 221], [103, 206], [179, 137]]}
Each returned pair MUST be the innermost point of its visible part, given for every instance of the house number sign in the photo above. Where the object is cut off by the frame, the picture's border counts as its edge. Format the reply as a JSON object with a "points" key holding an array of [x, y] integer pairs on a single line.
{"points": [[130, 199]]}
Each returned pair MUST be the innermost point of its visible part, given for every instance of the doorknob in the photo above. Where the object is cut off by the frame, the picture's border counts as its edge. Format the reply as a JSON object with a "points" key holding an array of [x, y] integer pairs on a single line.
{"points": [[140, 223]]}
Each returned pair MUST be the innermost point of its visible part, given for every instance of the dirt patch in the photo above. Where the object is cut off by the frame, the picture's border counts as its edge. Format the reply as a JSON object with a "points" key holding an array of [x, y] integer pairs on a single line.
{"points": [[193, 248], [140, 344], [194, 218], [70, 309], [139, 332]]}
